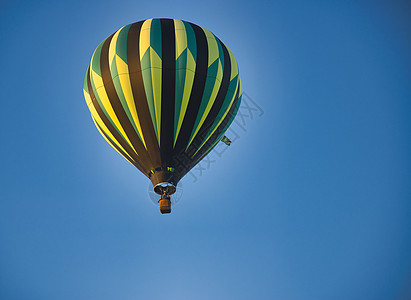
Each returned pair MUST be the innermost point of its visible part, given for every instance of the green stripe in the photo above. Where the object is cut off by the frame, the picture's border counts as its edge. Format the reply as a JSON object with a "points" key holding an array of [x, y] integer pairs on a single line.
{"points": [[181, 64], [208, 89], [121, 51], [98, 71], [146, 67], [220, 52], [120, 94], [107, 122], [95, 62], [148, 86], [85, 85], [191, 40], [155, 36], [230, 94], [121, 46], [232, 117]]}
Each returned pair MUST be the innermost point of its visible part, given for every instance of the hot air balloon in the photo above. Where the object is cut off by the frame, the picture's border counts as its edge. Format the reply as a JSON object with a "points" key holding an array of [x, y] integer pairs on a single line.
{"points": [[163, 92]]}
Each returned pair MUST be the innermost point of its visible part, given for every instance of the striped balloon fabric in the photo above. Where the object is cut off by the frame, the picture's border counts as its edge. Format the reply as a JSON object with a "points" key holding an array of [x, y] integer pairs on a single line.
{"points": [[163, 92]]}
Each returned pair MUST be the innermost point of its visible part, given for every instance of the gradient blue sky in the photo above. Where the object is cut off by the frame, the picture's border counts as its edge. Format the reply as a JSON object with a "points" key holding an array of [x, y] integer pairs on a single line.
{"points": [[311, 202]]}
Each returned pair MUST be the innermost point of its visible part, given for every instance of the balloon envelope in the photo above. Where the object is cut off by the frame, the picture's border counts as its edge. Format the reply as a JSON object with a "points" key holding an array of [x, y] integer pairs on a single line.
{"points": [[163, 92]]}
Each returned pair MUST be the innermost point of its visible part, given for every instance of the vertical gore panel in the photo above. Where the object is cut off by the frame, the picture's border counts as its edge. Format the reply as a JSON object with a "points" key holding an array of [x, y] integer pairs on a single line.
{"points": [[108, 124], [197, 90], [198, 140], [213, 82], [216, 136], [117, 106], [168, 90], [186, 55], [122, 82], [137, 86]]}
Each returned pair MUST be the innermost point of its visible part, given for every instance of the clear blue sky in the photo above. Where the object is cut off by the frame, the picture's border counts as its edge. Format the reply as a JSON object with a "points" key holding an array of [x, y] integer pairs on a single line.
{"points": [[311, 202]]}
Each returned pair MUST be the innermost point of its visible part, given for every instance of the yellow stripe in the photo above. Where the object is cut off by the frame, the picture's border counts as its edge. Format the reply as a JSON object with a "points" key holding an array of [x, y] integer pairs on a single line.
{"points": [[213, 52], [181, 45], [107, 106], [112, 48], [180, 36], [188, 85], [111, 144], [98, 83], [97, 119], [87, 97], [191, 63], [213, 55], [179, 25], [221, 120], [124, 78], [155, 70], [145, 37], [210, 103], [156, 65], [234, 66], [97, 80], [220, 71], [201, 157]]}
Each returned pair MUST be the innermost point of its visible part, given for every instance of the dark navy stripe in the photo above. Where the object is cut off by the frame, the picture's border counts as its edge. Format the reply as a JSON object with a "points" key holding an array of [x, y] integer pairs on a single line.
{"points": [[167, 90], [194, 103], [118, 107], [139, 94], [207, 146], [107, 122], [126, 156], [218, 103]]}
